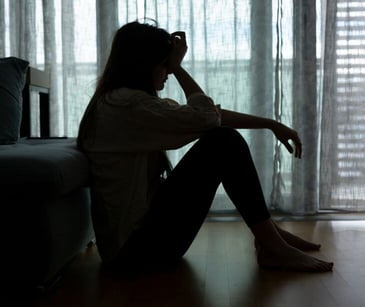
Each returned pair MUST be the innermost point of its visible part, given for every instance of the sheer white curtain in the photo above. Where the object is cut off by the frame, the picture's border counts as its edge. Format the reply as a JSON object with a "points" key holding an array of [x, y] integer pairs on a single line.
{"points": [[58, 36], [342, 156], [300, 62]]}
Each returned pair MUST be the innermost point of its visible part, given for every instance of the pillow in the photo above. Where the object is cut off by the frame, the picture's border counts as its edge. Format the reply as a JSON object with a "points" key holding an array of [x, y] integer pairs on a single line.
{"points": [[12, 80]]}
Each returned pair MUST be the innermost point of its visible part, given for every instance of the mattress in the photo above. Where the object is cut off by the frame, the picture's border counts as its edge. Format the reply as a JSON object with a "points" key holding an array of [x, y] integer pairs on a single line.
{"points": [[48, 166]]}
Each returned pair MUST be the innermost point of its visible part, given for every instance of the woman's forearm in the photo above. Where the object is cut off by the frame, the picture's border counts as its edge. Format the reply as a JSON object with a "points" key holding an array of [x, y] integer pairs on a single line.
{"points": [[186, 82], [245, 121], [283, 133]]}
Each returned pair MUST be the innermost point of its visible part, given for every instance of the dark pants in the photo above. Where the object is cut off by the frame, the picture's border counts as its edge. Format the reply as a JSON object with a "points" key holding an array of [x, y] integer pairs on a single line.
{"points": [[182, 203]]}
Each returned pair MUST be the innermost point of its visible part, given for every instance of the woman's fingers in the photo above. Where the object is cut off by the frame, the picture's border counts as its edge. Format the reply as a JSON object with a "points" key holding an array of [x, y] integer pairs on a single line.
{"points": [[298, 146], [179, 39], [288, 146], [178, 52], [180, 34], [285, 134], [298, 150]]}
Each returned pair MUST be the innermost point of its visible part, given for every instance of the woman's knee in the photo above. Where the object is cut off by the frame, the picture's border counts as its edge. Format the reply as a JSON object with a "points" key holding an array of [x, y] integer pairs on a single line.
{"points": [[225, 137]]}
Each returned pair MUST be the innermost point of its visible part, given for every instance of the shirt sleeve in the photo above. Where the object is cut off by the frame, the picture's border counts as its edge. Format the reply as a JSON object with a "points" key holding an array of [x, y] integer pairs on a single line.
{"points": [[147, 123], [170, 125], [198, 114]]}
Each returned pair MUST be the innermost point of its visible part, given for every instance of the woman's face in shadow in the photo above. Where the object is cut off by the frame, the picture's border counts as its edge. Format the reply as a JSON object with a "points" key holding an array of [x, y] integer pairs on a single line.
{"points": [[160, 76]]}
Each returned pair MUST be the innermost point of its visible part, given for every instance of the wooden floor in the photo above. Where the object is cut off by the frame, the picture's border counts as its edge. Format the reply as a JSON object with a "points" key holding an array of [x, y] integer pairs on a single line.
{"points": [[220, 271]]}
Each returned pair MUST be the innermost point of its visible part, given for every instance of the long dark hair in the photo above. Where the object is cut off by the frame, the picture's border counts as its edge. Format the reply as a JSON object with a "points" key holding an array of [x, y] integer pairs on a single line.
{"points": [[136, 50]]}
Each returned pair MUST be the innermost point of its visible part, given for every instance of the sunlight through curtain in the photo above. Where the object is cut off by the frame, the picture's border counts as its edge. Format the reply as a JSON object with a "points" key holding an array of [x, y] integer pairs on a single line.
{"points": [[342, 155], [299, 62]]}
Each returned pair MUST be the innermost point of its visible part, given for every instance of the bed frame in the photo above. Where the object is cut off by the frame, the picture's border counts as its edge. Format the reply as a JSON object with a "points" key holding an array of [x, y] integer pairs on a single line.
{"points": [[36, 81]]}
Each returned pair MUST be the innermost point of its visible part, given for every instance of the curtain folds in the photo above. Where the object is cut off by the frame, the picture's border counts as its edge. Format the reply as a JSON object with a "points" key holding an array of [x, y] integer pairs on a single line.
{"points": [[342, 158], [299, 62], [261, 86], [106, 24], [2, 29], [305, 110]]}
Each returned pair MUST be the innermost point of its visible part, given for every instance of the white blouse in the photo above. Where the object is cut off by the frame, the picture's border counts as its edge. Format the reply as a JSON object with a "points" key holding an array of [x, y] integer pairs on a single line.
{"points": [[125, 134]]}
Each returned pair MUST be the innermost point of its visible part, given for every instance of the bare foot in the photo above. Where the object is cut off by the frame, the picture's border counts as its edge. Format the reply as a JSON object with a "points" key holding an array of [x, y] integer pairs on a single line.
{"points": [[291, 259], [297, 242]]}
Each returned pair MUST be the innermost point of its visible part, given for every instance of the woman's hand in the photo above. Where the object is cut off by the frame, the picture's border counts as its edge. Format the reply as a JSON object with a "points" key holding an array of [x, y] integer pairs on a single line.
{"points": [[179, 48], [284, 134]]}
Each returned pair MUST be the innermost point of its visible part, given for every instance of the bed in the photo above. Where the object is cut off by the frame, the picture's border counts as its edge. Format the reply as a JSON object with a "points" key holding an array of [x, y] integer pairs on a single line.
{"points": [[44, 195]]}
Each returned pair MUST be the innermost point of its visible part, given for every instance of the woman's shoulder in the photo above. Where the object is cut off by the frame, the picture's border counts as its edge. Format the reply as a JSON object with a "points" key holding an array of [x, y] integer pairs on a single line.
{"points": [[125, 92], [126, 96]]}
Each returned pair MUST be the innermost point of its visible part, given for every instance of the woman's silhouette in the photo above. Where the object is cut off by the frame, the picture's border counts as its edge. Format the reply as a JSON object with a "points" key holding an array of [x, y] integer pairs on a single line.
{"points": [[146, 213]]}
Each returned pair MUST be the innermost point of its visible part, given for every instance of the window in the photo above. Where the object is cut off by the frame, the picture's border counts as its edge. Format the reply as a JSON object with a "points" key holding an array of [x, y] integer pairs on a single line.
{"points": [[347, 131]]}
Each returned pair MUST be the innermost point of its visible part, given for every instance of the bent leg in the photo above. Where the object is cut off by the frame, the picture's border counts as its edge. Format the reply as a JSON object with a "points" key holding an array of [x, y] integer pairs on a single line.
{"points": [[184, 199], [241, 183]]}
